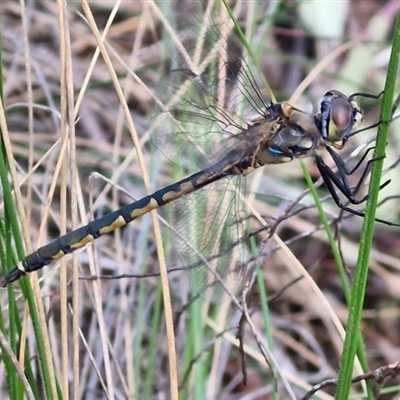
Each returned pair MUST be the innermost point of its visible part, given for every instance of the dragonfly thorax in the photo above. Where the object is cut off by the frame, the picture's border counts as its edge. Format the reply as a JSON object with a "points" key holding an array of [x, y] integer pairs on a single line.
{"points": [[290, 142], [293, 134]]}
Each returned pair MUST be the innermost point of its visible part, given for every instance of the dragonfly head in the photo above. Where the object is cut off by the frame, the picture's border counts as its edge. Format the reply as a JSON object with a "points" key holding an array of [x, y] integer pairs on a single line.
{"points": [[339, 115]]}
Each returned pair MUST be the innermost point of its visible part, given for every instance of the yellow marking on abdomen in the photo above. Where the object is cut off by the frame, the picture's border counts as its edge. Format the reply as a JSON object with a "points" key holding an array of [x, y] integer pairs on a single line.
{"points": [[87, 239], [184, 188], [58, 255], [20, 266], [117, 223], [152, 204]]}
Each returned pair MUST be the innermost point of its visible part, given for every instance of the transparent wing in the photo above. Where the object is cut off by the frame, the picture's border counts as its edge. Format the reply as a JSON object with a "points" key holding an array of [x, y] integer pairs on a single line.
{"points": [[209, 101], [213, 97], [210, 238]]}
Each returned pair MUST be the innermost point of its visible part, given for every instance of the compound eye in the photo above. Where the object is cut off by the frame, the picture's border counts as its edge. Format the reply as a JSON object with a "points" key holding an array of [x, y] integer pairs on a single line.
{"points": [[342, 119], [339, 116], [332, 100]]}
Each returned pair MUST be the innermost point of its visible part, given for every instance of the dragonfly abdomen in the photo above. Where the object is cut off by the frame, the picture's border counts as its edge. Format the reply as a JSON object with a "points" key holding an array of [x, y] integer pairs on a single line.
{"points": [[80, 237]]}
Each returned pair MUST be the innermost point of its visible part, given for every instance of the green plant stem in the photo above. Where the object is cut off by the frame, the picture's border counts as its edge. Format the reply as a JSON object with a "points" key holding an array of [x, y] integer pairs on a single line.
{"points": [[361, 271], [358, 339]]}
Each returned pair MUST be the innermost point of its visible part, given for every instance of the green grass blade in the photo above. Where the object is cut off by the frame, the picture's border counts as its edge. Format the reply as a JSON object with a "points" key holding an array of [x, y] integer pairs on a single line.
{"points": [[361, 271], [358, 339], [8, 260]]}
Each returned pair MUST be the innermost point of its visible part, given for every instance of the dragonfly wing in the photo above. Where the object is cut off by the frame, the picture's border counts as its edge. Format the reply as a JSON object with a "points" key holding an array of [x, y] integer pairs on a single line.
{"points": [[207, 103], [210, 238]]}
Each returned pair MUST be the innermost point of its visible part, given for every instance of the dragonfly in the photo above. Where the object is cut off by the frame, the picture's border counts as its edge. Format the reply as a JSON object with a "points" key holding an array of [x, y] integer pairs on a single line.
{"points": [[278, 136], [207, 210]]}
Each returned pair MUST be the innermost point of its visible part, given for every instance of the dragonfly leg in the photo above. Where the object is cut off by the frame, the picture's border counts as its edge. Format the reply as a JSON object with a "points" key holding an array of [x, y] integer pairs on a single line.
{"points": [[339, 160], [344, 172], [332, 181], [342, 183], [367, 95]]}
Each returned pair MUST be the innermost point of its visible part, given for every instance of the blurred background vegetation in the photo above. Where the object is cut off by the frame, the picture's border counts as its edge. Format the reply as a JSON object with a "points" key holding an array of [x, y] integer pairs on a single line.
{"points": [[107, 338]]}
